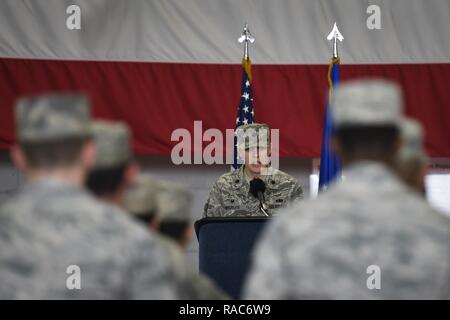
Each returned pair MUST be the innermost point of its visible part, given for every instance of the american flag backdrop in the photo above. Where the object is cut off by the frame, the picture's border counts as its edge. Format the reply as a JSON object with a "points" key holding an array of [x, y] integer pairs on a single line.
{"points": [[245, 113], [161, 65]]}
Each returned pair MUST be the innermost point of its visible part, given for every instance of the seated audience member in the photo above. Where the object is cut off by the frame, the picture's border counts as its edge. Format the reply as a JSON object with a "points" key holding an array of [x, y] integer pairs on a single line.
{"points": [[166, 207]]}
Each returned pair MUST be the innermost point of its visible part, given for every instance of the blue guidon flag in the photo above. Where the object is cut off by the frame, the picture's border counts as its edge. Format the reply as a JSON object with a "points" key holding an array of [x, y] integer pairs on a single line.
{"points": [[330, 167], [245, 114]]}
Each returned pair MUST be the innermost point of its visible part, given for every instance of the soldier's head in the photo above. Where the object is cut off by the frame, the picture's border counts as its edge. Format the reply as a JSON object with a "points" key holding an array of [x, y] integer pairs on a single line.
{"points": [[174, 209], [53, 136], [114, 169], [162, 205], [254, 146], [140, 200], [366, 115], [412, 160]]}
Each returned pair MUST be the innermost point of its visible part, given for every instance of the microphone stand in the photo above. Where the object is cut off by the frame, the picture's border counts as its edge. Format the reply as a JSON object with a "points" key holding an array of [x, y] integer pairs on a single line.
{"points": [[263, 208], [257, 188]]}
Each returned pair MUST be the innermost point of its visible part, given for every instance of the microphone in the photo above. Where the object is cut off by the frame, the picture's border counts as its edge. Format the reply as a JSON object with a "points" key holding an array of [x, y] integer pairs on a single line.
{"points": [[257, 189]]}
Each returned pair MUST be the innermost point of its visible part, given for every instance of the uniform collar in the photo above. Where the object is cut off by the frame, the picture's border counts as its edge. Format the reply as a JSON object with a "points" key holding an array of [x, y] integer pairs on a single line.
{"points": [[376, 172], [52, 183]]}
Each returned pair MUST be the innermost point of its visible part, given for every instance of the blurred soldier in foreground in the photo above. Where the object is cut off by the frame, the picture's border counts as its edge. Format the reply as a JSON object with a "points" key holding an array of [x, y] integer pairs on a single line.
{"points": [[369, 237], [114, 169], [165, 207], [233, 195], [412, 160], [56, 240]]}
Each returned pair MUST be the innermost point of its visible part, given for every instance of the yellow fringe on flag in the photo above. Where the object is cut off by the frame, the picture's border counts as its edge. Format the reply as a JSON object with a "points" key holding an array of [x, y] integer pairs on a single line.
{"points": [[330, 82], [248, 68]]}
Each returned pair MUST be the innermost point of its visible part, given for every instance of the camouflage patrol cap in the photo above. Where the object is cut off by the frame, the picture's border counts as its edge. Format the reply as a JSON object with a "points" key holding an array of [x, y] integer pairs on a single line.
{"points": [[367, 102], [174, 203], [52, 117], [253, 135], [412, 141], [140, 199], [112, 143]]}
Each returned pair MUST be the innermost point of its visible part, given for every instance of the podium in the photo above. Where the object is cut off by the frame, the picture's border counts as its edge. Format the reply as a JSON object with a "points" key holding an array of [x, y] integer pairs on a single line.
{"points": [[225, 249]]}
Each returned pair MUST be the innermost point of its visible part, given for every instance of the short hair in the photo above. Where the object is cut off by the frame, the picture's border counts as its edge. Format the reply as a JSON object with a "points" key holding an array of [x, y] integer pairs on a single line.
{"points": [[173, 229], [145, 217], [53, 154], [107, 181], [368, 141]]}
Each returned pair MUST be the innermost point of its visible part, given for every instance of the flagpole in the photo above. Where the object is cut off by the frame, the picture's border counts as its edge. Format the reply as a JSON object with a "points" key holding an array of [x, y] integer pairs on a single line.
{"points": [[245, 38], [245, 113], [329, 163], [335, 36]]}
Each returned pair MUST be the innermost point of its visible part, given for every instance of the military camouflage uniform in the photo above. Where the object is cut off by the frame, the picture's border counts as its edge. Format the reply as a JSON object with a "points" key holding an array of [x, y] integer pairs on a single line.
{"points": [[53, 117], [112, 141], [326, 248], [230, 195], [320, 249]]}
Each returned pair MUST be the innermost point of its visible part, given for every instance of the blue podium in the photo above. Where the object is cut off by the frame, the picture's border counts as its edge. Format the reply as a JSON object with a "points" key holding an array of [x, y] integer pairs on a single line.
{"points": [[225, 249]]}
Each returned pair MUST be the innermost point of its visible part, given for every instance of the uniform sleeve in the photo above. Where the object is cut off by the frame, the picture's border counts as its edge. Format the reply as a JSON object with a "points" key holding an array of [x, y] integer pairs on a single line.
{"points": [[267, 279], [213, 206]]}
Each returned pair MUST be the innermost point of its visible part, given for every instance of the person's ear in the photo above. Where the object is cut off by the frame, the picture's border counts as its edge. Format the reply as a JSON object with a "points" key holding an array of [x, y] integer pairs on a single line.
{"points": [[18, 158], [337, 148], [131, 173], [398, 141], [423, 175], [187, 236], [88, 154], [156, 223]]}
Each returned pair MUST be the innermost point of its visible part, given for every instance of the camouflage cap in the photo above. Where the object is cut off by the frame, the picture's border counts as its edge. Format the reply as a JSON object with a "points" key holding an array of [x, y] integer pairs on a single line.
{"points": [[112, 141], [412, 141], [140, 198], [174, 203], [367, 102], [52, 117], [253, 135]]}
